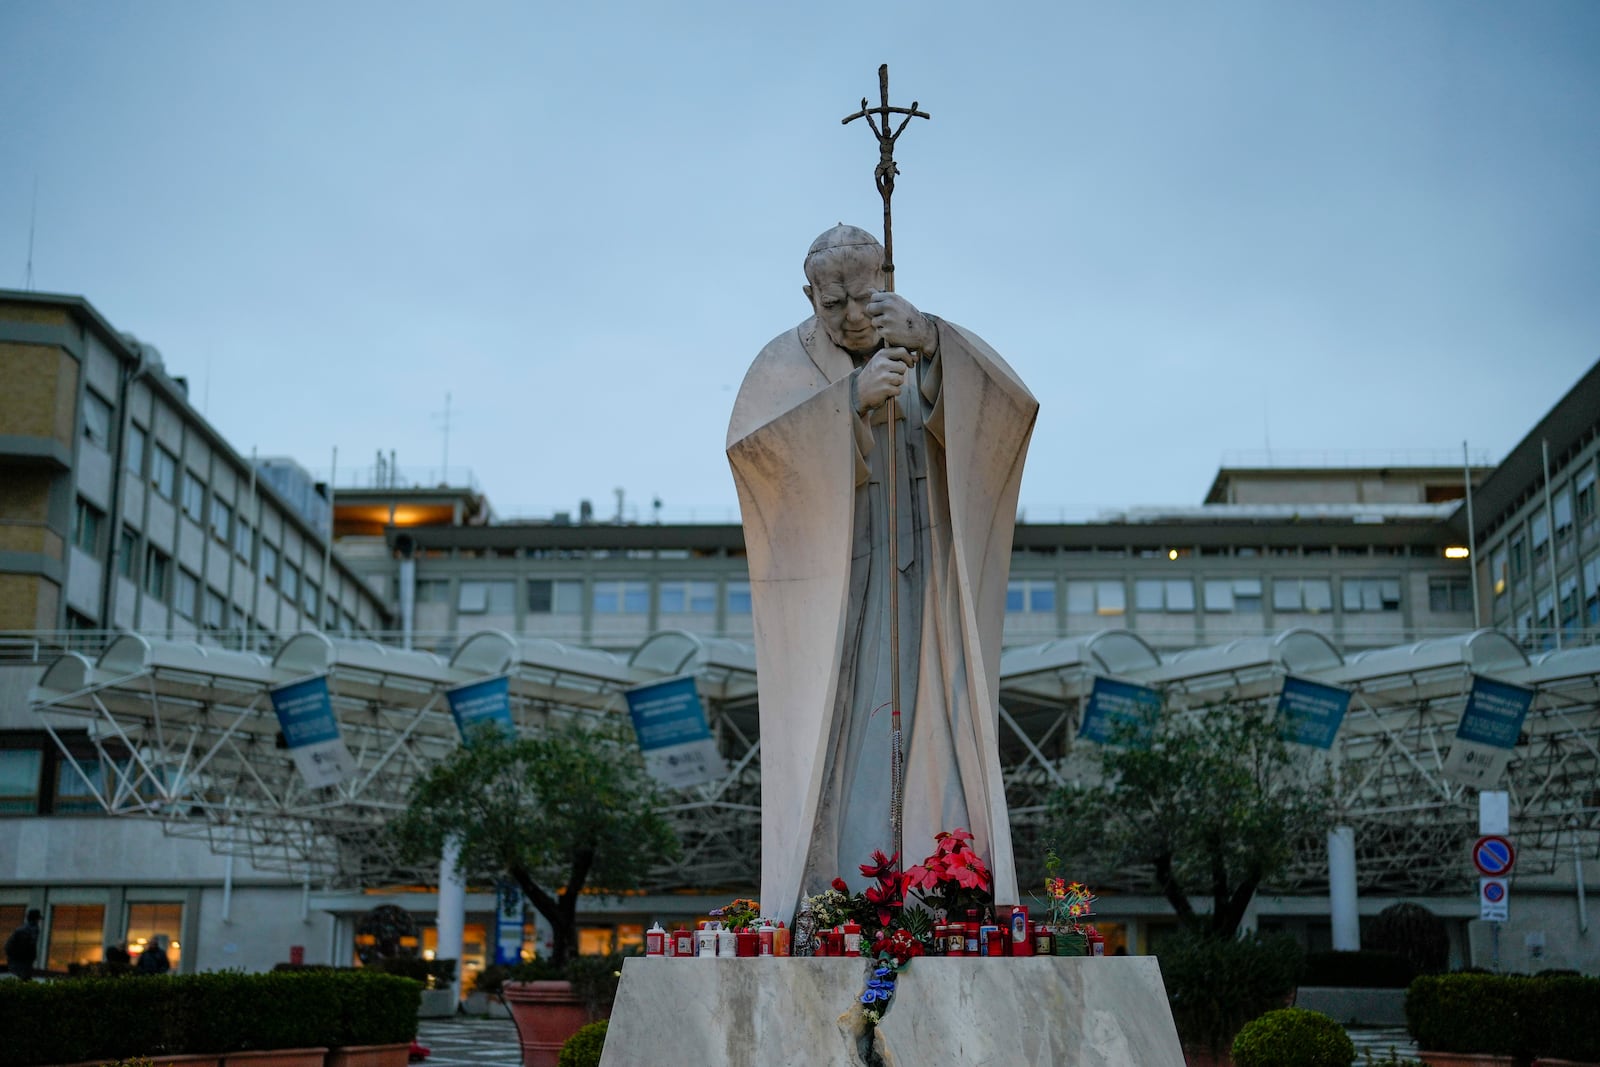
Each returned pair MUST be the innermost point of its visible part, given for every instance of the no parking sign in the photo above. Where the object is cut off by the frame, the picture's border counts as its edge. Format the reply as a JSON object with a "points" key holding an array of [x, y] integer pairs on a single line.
{"points": [[1494, 900]]}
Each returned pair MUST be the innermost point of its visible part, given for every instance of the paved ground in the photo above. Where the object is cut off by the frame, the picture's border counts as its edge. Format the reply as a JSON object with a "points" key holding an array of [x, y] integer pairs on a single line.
{"points": [[473, 1042]]}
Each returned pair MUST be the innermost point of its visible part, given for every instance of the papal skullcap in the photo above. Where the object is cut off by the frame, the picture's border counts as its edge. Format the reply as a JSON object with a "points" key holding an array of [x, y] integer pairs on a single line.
{"points": [[842, 236]]}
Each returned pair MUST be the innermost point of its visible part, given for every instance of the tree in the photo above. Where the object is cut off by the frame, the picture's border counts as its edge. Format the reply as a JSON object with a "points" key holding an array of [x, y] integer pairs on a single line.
{"points": [[1212, 802], [555, 813]]}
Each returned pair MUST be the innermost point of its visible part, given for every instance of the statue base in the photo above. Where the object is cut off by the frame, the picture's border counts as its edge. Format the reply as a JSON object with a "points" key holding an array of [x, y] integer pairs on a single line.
{"points": [[1044, 1011]]}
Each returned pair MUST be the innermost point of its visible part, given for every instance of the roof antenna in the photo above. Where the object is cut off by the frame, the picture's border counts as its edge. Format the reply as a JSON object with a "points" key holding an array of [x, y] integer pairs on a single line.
{"points": [[33, 217]]}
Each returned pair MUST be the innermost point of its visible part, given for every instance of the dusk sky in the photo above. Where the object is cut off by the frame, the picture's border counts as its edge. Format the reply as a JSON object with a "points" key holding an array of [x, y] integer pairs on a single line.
{"points": [[1195, 230]]}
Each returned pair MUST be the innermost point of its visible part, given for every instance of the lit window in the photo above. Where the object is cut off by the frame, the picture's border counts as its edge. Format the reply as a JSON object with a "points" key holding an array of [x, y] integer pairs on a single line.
{"points": [[1497, 571], [77, 933], [146, 921]]}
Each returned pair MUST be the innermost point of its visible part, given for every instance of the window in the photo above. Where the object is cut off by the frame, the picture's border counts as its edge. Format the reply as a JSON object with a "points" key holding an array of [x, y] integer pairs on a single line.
{"points": [[86, 527], [555, 597], [127, 549], [156, 564], [194, 495], [621, 598], [330, 614], [145, 921], [11, 917], [1096, 598], [738, 598], [1370, 594], [1449, 594], [134, 449], [267, 565], [77, 933], [1497, 571], [433, 591], [291, 581], [1561, 506], [1242, 595], [309, 592], [1547, 612], [1568, 602], [221, 519], [215, 613], [1591, 586], [687, 598], [1310, 595], [187, 594], [19, 781], [1519, 557], [241, 539], [96, 420], [1034, 596], [1174, 595], [1584, 487], [78, 788], [486, 598], [164, 473]]}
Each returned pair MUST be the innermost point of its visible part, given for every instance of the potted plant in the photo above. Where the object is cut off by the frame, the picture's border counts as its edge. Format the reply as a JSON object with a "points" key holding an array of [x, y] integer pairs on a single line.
{"points": [[549, 1004]]}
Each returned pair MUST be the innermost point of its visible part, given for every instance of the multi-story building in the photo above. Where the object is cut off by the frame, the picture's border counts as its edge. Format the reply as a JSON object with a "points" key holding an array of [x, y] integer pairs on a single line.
{"points": [[122, 509], [1323, 566]]}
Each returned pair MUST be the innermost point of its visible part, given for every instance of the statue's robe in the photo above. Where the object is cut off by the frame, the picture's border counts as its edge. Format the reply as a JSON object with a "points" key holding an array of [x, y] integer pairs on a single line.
{"points": [[811, 476]]}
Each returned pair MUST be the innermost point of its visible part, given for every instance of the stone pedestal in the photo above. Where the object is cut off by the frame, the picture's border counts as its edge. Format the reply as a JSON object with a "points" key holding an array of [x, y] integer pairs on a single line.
{"points": [[1043, 1012]]}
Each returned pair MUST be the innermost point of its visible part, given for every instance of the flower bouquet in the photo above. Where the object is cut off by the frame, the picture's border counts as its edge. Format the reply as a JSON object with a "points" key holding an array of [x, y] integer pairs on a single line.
{"points": [[1070, 904], [954, 878], [740, 913]]}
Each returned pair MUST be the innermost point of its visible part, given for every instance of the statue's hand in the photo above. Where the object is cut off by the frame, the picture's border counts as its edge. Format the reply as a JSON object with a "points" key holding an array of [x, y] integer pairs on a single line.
{"points": [[900, 324], [882, 377]]}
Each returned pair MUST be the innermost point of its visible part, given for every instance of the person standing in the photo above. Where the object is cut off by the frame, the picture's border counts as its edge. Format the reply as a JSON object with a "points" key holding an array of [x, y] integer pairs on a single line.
{"points": [[153, 960], [22, 947]]}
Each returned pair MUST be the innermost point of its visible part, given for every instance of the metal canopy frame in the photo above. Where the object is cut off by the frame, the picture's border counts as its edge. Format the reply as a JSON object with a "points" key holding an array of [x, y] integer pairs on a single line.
{"points": [[186, 734]]}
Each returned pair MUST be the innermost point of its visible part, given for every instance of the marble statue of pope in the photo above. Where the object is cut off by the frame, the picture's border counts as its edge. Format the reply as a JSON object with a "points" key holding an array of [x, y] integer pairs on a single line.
{"points": [[807, 444]]}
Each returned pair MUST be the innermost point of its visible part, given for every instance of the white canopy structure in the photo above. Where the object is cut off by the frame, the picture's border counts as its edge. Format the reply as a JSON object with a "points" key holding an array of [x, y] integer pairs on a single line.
{"points": [[186, 733]]}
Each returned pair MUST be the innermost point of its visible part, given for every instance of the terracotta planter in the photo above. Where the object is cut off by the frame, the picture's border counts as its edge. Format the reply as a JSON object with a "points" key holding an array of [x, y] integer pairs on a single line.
{"points": [[276, 1057], [546, 1014], [1546, 1061], [370, 1055], [1464, 1059]]}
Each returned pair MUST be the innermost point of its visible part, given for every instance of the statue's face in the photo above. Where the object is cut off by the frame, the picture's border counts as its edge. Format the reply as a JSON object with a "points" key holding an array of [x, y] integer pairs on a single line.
{"points": [[841, 285]]}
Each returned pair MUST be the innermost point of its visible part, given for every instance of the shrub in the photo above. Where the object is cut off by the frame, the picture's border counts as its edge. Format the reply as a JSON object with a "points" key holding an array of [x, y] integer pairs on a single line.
{"points": [[584, 1047], [1412, 931], [433, 974], [1293, 1037], [1360, 970], [490, 979], [1506, 1015], [114, 1018], [1216, 985]]}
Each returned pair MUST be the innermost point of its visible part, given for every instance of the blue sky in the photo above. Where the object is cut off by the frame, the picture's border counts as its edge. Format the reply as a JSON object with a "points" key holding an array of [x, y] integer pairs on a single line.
{"points": [[1194, 229]]}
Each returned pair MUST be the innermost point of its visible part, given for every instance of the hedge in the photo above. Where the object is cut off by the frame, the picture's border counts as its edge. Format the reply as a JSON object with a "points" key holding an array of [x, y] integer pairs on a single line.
{"points": [[116, 1018], [1293, 1037], [1215, 985], [1506, 1015]]}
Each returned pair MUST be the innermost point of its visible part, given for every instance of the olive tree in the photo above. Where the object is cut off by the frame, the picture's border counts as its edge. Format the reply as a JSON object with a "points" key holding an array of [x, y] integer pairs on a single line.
{"points": [[569, 808], [1209, 802]]}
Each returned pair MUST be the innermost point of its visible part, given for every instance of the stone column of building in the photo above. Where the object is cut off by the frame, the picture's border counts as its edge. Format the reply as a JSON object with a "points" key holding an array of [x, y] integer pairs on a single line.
{"points": [[452, 914]]}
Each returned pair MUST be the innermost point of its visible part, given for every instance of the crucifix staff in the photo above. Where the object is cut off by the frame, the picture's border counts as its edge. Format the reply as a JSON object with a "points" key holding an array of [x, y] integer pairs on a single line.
{"points": [[884, 175]]}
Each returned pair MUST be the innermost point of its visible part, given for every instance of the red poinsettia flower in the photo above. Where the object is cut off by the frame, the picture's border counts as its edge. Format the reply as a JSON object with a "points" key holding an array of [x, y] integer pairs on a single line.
{"points": [[922, 877], [881, 865]]}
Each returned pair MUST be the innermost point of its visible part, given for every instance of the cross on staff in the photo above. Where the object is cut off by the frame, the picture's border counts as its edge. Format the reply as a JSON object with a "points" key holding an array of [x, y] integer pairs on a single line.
{"points": [[883, 175]]}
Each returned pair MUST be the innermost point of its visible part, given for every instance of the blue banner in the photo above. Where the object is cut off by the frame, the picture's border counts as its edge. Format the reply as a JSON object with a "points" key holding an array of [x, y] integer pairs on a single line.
{"points": [[1494, 714], [508, 922], [667, 713], [1309, 713], [305, 712], [1113, 705], [480, 702], [311, 731], [670, 723]]}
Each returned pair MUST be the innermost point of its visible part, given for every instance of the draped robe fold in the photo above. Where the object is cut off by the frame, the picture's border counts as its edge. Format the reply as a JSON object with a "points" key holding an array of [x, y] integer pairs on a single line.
{"points": [[806, 465]]}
